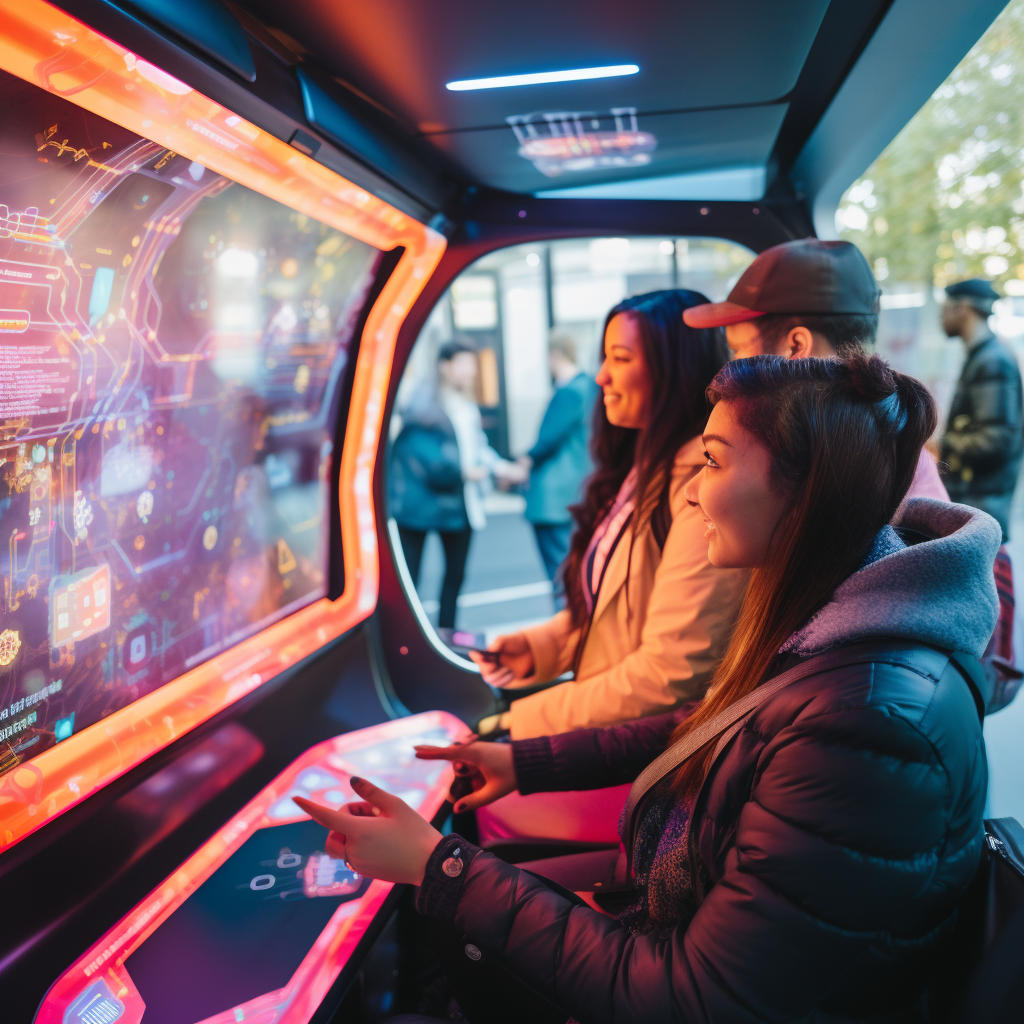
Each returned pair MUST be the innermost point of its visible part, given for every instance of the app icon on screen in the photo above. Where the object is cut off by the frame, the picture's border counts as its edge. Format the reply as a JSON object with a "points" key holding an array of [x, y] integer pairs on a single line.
{"points": [[313, 779], [137, 649], [63, 727], [79, 605], [325, 876]]}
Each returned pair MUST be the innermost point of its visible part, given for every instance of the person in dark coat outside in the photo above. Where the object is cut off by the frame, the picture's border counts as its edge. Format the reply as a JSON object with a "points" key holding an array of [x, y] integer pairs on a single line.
{"points": [[984, 438], [440, 465], [559, 462], [806, 864]]}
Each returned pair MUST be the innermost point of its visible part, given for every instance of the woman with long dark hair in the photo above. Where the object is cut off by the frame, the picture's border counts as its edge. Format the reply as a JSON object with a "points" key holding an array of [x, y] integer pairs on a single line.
{"points": [[797, 846], [647, 617]]}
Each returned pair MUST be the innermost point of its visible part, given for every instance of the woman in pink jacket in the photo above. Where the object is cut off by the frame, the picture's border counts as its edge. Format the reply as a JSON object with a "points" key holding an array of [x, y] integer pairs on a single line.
{"points": [[648, 618]]}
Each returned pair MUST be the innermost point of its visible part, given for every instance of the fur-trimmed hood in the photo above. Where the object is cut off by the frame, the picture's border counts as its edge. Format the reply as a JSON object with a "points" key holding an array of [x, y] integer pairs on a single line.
{"points": [[928, 577]]}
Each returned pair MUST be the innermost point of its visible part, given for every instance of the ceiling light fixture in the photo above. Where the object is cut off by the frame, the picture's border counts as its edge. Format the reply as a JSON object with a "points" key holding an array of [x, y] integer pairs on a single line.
{"points": [[543, 77]]}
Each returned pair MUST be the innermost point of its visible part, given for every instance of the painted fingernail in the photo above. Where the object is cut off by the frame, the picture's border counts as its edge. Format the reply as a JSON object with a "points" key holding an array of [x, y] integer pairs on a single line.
{"points": [[355, 780], [459, 808]]}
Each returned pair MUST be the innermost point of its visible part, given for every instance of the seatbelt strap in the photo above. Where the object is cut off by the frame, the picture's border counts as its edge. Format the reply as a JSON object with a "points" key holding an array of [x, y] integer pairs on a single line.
{"points": [[728, 722]]}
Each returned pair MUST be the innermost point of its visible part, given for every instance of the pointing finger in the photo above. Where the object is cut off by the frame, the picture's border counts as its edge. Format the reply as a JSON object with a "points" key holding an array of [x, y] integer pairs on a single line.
{"points": [[326, 816], [372, 794], [428, 753]]}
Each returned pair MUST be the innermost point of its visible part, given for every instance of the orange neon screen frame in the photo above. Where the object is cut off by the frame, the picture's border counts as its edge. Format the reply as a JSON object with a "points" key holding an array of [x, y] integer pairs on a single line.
{"points": [[52, 50]]}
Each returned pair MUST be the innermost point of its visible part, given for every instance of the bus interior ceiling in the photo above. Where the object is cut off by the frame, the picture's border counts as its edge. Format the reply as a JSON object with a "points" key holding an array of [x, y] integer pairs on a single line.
{"points": [[746, 122]]}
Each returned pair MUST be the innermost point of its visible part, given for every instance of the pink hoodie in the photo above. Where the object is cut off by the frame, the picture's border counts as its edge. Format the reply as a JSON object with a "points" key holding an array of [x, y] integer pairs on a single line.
{"points": [[926, 482]]}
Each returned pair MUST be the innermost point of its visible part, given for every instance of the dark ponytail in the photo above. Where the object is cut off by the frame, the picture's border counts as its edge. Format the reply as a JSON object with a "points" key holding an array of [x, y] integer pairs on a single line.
{"points": [[845, 437]]}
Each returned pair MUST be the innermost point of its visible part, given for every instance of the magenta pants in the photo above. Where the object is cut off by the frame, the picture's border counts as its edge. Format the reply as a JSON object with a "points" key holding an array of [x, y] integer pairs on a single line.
{"points": [[591, 816]]}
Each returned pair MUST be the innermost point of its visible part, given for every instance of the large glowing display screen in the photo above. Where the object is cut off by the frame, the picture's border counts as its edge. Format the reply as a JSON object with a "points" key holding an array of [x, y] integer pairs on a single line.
{"points": [[171, 344]]}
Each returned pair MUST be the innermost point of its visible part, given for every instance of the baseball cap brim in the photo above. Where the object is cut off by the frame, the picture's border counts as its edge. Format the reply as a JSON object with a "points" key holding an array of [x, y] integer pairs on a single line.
{"points": [[718, 314]]}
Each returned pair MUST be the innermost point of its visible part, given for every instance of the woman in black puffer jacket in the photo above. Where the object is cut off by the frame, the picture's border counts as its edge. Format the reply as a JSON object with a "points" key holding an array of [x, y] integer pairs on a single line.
{"points": [[805, 865]]}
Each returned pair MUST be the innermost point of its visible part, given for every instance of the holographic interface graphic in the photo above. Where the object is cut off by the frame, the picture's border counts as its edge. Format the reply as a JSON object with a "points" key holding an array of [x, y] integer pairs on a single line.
{"points": [[573, 141], [171, 345]]}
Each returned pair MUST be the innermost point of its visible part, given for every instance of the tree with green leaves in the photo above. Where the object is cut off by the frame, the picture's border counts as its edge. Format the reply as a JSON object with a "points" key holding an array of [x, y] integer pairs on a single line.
{"points": [[944, 200]]}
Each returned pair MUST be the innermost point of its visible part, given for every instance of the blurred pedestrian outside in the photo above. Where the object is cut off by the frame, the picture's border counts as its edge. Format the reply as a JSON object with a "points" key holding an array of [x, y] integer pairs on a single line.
{"points": [[559, 462], [983, 442], [441, 467]]}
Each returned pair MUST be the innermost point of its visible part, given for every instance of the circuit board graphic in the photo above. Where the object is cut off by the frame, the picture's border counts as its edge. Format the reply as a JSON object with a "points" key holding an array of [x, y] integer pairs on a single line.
{"points": [[171, 345]]}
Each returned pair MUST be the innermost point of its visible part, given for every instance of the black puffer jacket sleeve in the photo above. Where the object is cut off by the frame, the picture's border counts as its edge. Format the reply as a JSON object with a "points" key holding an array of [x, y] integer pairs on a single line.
{"points": [[593, 758], [852, 816]]}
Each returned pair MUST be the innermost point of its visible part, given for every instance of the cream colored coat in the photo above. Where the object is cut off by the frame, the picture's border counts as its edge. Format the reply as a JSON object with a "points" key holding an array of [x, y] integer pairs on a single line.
{"points": [[649, 654]]}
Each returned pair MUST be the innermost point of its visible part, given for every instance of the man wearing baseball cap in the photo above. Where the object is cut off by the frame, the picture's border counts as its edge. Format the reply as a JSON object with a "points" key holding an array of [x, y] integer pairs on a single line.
{"points": [[802, 298], [984, 439], [806, 298]]}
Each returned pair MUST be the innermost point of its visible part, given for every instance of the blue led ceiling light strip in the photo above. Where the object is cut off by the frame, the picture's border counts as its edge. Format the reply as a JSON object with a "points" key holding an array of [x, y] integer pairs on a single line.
{"points": [[543, 77]]}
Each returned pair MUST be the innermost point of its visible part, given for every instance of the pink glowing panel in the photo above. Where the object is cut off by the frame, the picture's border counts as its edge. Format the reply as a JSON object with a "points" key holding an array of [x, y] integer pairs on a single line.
{"points": [[257, 924]]}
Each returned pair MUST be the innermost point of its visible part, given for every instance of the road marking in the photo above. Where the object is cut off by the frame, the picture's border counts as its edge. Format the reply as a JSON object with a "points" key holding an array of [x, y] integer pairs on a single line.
{"points": [[496, 596]]}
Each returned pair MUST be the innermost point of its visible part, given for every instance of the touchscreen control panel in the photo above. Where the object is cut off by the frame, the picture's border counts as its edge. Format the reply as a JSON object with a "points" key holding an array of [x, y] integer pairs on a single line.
{"points": [[260, 921]]}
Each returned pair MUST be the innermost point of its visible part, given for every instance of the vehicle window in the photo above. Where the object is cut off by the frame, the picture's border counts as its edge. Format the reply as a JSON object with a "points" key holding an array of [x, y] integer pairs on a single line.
{"points": [[943, 203], [170, 347], [509, 310]]}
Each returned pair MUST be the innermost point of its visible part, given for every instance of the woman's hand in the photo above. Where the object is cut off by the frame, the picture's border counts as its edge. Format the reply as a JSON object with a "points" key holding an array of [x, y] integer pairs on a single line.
{"points": [[511, 472], [483, 772], [515, 665], [382, 837]]}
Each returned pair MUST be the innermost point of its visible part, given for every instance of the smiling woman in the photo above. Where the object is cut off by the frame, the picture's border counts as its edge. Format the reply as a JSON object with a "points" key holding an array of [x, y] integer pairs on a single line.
{"points": [[735, 493], [646, 611], [625, 377], [534, 314]]}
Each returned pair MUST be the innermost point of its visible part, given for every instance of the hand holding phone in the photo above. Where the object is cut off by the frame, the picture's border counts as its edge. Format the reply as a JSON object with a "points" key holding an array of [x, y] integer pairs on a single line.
{"points": [[509, 662], [491, 657]]}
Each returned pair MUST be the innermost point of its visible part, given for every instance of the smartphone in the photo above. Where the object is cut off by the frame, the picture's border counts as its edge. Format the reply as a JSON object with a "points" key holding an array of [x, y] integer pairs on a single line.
{"points": [[494, 657]]}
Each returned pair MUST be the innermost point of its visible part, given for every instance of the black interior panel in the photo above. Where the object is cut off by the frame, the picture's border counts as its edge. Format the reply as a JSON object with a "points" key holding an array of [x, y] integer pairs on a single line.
{"points": [[208, 25], [691, 55]]}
